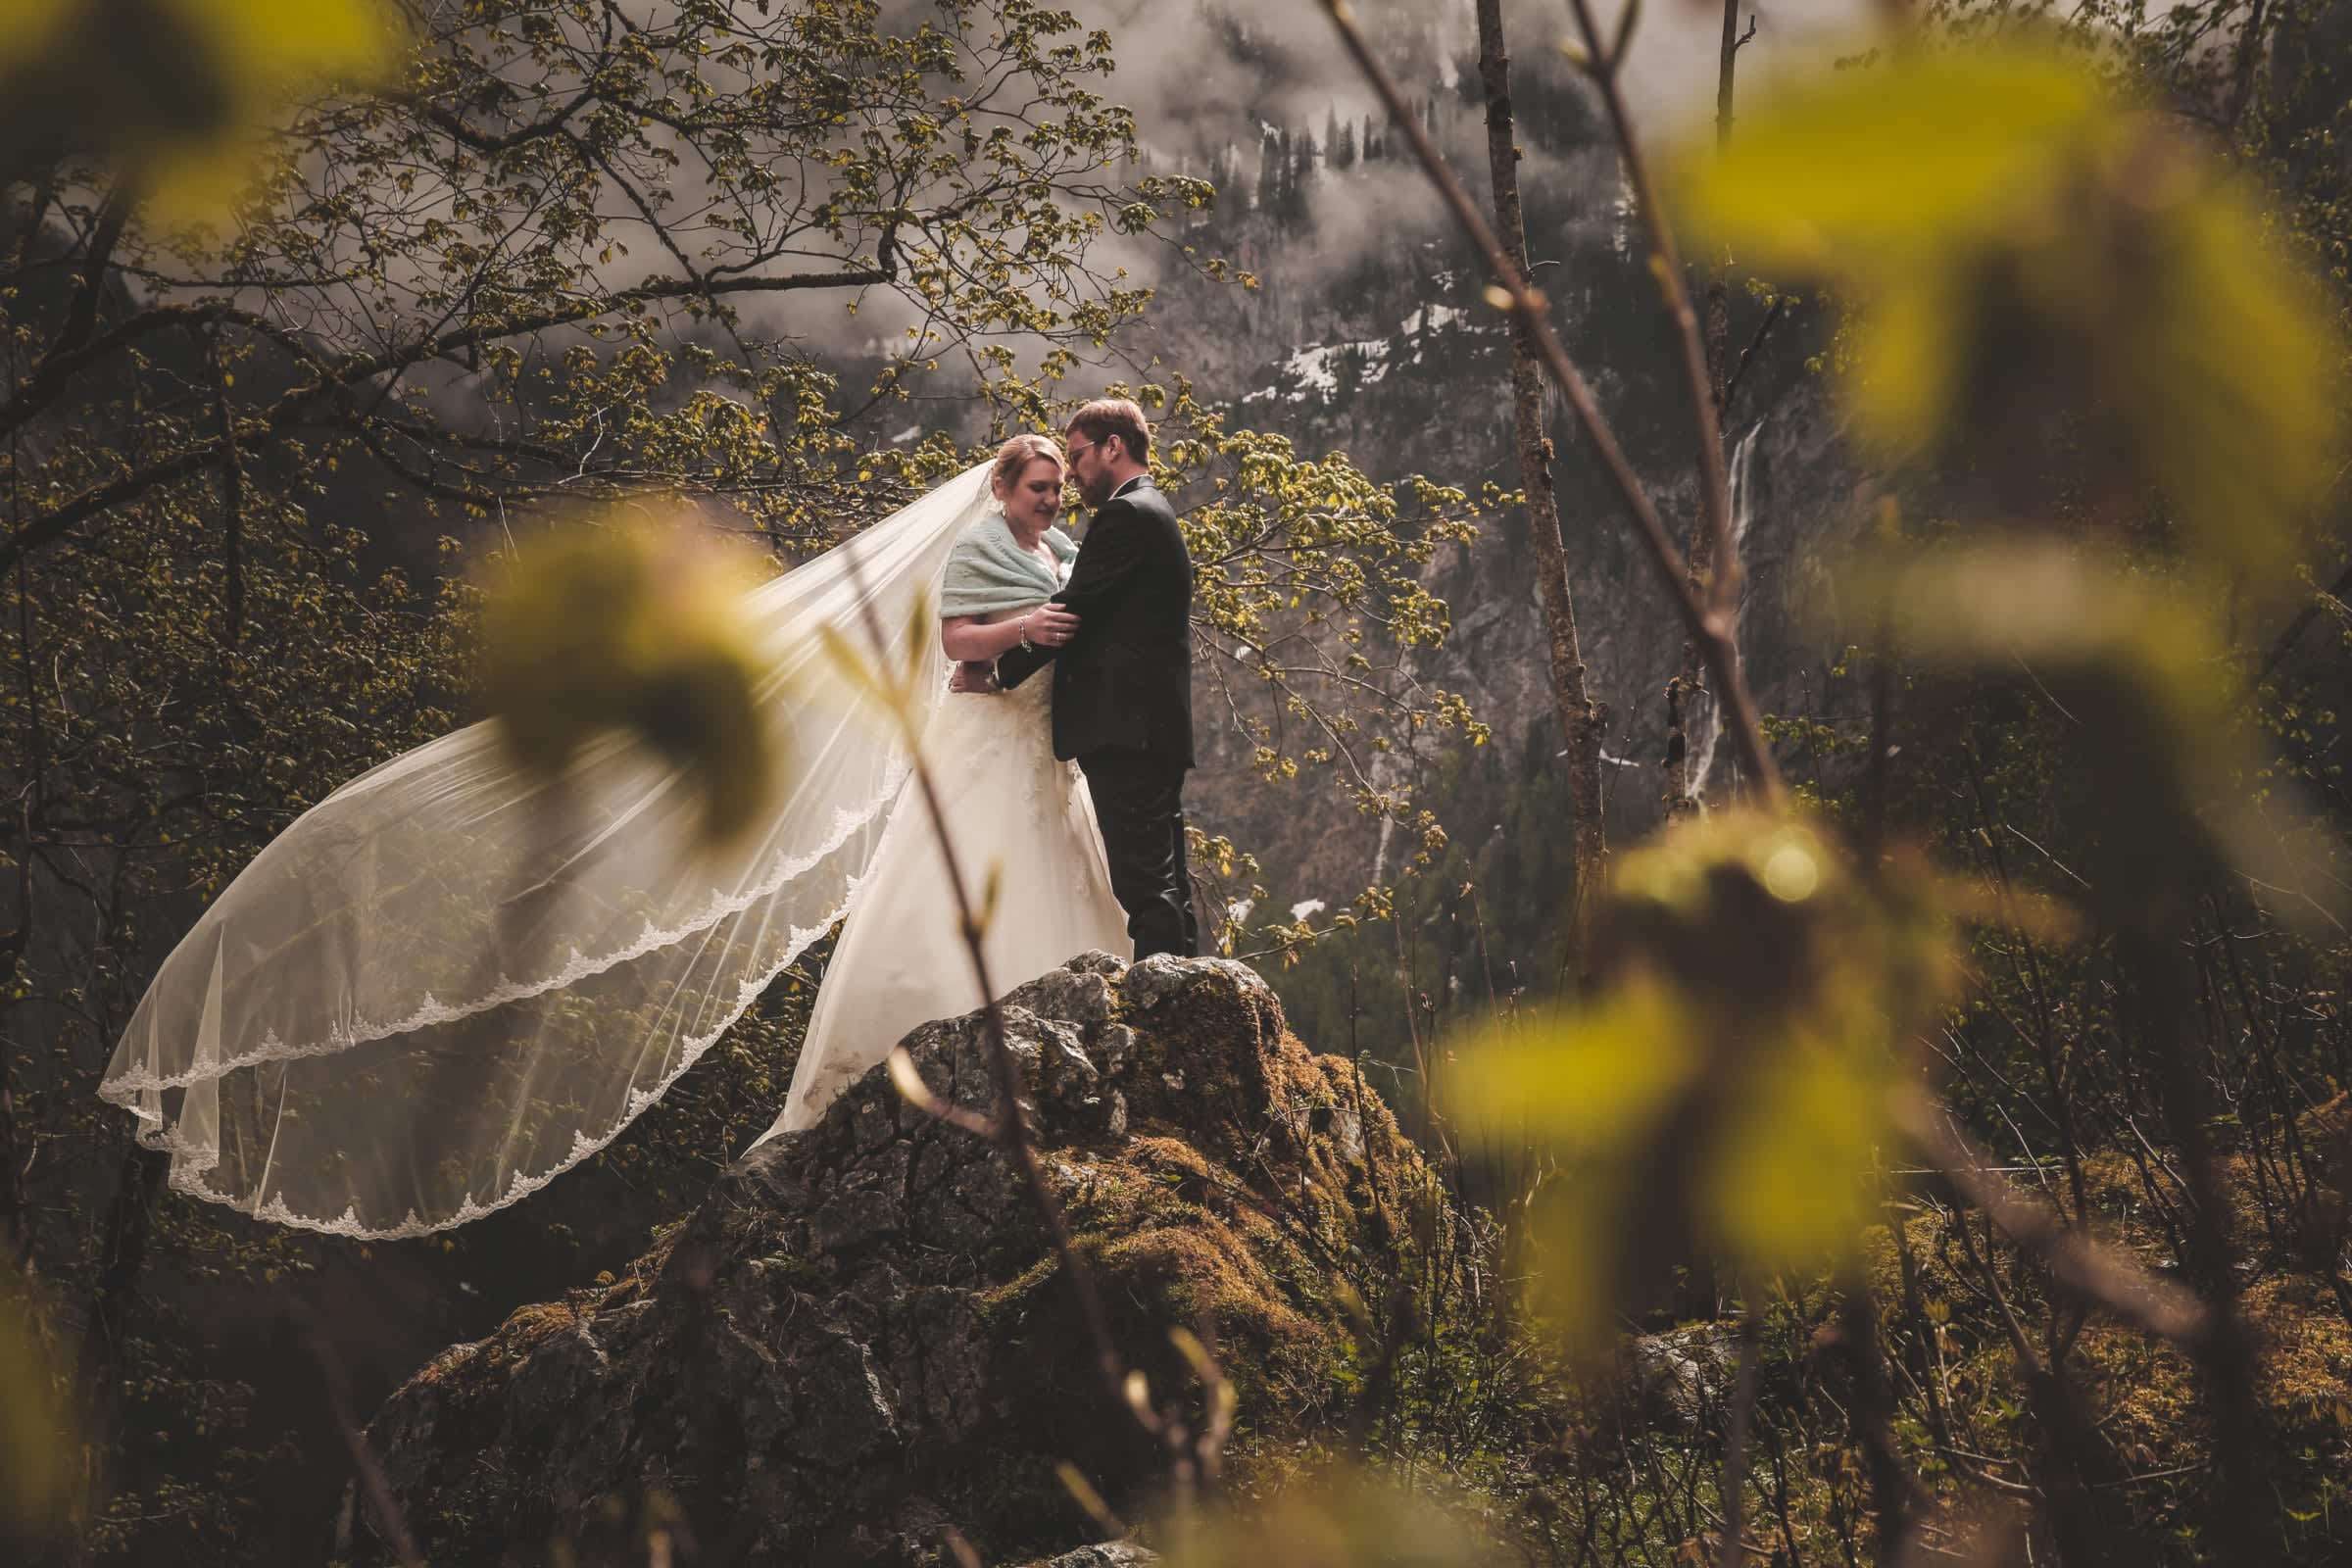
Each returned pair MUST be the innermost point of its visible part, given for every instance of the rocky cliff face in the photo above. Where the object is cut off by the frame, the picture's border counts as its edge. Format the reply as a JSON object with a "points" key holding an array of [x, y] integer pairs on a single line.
{"points": [[1443, 410], [1367, 334], [1794, 510], [861, 1338]]}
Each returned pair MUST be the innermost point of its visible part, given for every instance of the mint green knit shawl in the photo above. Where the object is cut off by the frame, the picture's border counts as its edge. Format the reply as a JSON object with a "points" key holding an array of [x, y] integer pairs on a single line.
{"points": [[989, 571]]}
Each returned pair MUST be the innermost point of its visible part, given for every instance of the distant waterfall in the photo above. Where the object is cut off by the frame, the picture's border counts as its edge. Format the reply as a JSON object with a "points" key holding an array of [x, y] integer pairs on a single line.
{"points": [[1702, 756]]}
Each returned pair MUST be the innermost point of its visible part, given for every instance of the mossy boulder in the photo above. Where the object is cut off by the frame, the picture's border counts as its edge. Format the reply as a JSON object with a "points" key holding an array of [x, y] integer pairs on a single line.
{"points": [[862, 1341]]}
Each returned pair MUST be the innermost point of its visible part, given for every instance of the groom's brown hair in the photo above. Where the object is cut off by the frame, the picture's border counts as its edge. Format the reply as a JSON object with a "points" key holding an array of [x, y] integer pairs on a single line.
{"points": [[1109, 416]]}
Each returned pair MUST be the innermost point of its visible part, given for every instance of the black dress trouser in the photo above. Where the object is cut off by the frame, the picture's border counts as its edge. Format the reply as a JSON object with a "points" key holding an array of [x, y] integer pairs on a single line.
{"points": [[1139, 802]]}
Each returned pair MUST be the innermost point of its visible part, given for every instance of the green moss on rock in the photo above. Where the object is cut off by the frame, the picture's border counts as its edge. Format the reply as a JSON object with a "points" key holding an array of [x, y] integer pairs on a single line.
{"points": [[863, 1337]]}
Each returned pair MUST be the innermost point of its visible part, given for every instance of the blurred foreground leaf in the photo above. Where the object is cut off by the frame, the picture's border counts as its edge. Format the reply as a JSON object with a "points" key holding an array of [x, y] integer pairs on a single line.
{"points": [[639, 628], [1584, 1088], [2142, 671], [888, 688], [2025, 249], [34, 1443], [1344, 1521], [182, 90], [1724, 1095]]}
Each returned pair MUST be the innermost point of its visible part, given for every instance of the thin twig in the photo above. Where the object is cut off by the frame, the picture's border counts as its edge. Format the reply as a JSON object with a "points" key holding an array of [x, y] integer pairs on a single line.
{"points": [[2228, 1354], [1666, 262], [2331, 599], [1011, 1132], [2111, 1279], [1896, 1497], [1772, 316], [1193, 1455], [2068, 1431], [1709, 623], [389, 1517], [1733, 1490]]}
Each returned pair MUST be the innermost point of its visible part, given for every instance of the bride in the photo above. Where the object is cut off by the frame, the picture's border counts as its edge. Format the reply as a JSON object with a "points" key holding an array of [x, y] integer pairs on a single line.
{"points": [[451, 981], [1007, 804]]}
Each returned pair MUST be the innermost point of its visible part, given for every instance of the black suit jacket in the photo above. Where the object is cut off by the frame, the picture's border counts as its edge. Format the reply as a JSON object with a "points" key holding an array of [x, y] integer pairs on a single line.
{"points": [[1126, 678]]}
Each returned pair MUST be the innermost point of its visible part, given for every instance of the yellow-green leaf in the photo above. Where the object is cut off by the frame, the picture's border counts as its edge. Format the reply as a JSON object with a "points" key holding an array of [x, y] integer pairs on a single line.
{"points": [[1591, 1082]]}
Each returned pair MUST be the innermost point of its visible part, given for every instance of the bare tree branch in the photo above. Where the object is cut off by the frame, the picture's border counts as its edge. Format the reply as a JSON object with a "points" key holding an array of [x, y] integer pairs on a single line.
{"points": [[1709, 622]]}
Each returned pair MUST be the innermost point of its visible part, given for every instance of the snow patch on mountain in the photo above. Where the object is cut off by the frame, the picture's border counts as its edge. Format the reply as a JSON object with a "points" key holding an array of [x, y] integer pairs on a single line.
{"points": [[1314, 371]]}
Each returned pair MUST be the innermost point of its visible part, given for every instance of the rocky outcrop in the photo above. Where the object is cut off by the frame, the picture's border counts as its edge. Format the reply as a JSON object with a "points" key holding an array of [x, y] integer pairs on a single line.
{"points": [[861, 1339], [1111, 1554]]}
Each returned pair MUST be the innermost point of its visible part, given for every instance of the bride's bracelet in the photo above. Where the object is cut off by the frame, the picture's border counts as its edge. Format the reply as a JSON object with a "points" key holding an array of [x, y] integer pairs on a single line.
{"points": [[1022, 626]]}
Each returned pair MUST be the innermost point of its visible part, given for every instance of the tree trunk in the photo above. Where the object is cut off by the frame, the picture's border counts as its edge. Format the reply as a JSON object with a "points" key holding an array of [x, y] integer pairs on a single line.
{"points": [[1719, 292], [1690, 680], [1581, 718]]}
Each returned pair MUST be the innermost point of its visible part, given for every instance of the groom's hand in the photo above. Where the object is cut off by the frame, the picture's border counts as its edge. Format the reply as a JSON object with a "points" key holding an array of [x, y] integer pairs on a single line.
{"points": [[1051, 626]]}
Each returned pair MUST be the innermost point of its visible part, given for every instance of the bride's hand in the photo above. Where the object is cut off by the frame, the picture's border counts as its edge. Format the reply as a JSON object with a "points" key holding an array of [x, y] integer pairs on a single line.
{"points": [[1049, 625], [978, 676]]}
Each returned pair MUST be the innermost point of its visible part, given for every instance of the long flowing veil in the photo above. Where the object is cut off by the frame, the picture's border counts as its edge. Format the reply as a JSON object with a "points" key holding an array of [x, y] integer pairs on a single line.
{"points": [[448, 981]]}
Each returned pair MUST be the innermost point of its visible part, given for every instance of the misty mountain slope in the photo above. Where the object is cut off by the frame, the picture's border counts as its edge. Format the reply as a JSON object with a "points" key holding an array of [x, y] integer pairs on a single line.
{"points": [[1367, 334]]}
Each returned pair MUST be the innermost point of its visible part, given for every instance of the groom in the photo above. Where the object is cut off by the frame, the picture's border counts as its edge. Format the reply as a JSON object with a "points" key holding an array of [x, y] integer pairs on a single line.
{"points": [[1123, 681]]}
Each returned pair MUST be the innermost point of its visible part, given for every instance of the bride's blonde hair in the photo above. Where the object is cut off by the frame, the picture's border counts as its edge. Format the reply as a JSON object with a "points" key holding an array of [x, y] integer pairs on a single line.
{"points": [[1015, 457]]}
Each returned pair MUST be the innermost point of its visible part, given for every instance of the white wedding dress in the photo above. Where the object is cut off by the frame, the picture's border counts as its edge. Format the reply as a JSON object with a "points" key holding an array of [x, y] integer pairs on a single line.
{"points": [[452, 980], [902, 959]]}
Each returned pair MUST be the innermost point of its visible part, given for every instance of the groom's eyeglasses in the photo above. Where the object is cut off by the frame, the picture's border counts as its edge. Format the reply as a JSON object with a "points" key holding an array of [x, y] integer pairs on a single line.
{"points": [[1084, 446]]}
